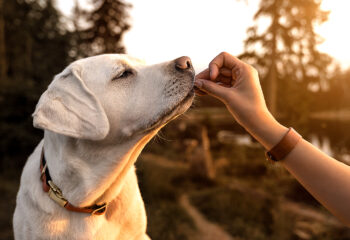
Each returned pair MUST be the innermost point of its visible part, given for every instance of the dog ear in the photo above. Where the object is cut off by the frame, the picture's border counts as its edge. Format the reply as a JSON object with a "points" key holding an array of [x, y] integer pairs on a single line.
{"points": [[68, 107]]}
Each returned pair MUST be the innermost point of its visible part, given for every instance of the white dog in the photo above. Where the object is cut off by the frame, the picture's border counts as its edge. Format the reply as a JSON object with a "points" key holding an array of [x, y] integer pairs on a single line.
{"points": [[97, 114]]}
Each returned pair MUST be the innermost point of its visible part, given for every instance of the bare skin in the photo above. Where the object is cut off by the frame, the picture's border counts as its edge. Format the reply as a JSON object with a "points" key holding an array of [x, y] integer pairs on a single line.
{"points": [[237, 85]]}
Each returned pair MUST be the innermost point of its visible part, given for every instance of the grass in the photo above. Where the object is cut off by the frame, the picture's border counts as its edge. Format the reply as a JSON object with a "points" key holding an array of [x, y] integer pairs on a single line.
{"points": [[239, 214], [166, 219], [248, 216]]}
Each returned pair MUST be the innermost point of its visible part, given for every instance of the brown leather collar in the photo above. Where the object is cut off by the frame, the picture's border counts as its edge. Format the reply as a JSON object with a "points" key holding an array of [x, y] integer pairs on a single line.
{"points": [[55, 193]]}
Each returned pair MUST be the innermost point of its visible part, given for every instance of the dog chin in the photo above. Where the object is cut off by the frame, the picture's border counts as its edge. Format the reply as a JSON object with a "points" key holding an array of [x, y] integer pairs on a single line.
{"points": [[177, 110], [184, 105], [159, 122]]}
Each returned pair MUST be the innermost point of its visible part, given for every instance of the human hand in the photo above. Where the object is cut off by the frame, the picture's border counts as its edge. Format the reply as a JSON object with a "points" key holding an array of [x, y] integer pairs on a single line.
{"points": [[237, 85]]}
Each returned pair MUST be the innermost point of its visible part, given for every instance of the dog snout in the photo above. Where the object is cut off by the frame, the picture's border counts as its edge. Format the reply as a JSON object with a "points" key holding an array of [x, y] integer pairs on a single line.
{"points": [[183, 63]]}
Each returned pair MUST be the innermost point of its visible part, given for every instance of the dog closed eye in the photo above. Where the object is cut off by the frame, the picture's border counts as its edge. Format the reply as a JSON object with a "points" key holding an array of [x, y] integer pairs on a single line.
{"points": [[124, 74]]}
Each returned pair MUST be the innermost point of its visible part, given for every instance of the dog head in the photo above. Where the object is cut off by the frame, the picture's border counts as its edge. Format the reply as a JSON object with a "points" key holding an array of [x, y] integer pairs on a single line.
{"points": [[115, 96]]}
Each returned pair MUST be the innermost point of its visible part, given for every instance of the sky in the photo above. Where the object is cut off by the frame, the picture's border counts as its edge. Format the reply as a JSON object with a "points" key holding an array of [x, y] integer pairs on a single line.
{"points": [[163, 30]]}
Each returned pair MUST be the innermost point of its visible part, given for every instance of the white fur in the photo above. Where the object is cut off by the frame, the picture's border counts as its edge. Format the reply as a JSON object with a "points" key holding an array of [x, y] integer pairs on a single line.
{"points": [[95, 128]]}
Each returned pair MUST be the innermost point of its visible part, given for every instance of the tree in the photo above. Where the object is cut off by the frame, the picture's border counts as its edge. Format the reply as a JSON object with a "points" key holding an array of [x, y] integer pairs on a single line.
{"points": [[36, 46], [107, 23], [3, 62], [285, 53]]}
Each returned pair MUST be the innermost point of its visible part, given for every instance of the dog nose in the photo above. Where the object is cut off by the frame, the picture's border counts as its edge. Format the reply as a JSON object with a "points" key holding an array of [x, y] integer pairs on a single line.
{"points": [[183, 63]]}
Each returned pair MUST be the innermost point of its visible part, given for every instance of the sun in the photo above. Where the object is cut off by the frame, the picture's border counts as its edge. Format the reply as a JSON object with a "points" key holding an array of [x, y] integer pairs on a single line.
{"points": [[335, 31]]}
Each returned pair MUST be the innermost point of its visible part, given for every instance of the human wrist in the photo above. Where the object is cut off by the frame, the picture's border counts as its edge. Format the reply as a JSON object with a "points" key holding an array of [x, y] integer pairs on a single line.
{"points": [[265, 129]]}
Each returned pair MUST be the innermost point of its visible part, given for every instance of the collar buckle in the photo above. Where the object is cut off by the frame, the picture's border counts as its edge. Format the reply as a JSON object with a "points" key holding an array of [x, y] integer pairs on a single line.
{"points": [[56, 194], [100, 210]]}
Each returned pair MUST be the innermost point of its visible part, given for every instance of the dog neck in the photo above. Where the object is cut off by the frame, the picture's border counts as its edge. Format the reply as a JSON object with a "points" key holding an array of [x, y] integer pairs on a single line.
{"points": [[90, 172]]}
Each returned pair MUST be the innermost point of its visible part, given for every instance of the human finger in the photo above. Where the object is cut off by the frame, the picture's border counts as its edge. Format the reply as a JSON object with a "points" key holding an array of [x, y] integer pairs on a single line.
{"points": [[224, 79], [204, 74], [223, 60], [221, 80], [199, 92], [225, 72], [224, 85], [212, 88]]}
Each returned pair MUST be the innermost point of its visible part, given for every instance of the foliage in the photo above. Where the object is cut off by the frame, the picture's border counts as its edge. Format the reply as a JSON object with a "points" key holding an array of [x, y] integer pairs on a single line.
{"points": [[240, 215], [106, 24]]}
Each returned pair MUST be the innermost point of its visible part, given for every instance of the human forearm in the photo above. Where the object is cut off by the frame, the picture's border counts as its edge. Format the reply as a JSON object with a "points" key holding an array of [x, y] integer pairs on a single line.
{"points": [[324, 177], [327, 179]]}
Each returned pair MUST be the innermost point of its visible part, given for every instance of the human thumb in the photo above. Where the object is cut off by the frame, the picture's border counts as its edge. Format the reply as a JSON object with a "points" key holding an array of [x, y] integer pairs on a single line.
{"points": [[212, 88]]}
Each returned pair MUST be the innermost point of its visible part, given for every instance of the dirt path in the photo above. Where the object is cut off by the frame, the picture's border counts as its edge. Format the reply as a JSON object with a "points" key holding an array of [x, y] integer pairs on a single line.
{"points": [[206, 229]]}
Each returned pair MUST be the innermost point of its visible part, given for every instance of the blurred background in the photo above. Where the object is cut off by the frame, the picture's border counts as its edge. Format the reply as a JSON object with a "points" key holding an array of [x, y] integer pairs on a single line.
{"points": [[202, 177]]}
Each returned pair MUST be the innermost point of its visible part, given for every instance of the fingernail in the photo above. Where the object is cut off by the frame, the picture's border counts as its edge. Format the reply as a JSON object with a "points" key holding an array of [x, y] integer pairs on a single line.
{"points": [[198, 83]]}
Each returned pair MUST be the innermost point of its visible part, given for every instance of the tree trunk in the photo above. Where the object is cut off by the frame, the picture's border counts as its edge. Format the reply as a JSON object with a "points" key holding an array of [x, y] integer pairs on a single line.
{"points": [[272, 88], [272, 77], [3, 62], [208, 160], [199, 156], [28, 56]]}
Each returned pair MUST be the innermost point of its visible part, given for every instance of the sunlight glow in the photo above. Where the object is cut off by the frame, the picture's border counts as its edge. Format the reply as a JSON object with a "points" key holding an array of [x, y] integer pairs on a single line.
{"points": [[335, 31], [162, 30]]}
